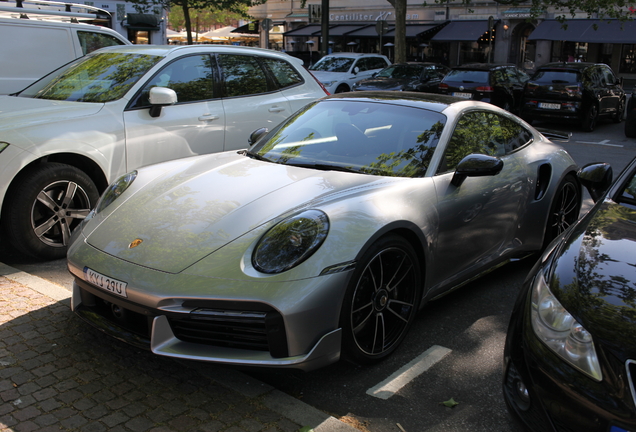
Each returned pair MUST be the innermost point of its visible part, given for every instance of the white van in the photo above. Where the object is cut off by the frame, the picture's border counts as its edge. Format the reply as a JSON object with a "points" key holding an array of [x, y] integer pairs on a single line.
{"points": [[35, 45]]}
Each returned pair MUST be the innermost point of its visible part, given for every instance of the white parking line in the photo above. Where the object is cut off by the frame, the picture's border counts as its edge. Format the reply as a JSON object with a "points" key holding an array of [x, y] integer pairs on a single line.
{"points": [[604, 142], [408, 372]]}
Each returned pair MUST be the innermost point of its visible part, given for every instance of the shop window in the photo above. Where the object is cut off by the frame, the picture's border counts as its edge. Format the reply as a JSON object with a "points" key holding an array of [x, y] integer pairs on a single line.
{"points": [[628, 59]]}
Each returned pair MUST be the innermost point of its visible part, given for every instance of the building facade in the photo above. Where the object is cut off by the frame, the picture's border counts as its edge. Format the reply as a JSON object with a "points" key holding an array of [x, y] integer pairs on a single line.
{"points": [[449, 33]]}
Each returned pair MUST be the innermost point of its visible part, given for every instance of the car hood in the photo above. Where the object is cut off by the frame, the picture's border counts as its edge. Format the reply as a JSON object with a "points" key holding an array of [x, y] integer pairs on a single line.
{"points": [[18, 113], [329, 76], [596, 274], [207, 202], [383, 83]]}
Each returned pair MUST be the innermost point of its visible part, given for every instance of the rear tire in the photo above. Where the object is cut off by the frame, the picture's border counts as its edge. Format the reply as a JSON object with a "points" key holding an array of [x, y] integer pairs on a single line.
{"points": [[565, 209], [44, 206], [342, 88]]}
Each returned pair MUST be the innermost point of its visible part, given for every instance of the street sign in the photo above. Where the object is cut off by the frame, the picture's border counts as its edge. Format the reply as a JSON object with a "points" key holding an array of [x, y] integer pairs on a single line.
{"points": [[381, 26]]}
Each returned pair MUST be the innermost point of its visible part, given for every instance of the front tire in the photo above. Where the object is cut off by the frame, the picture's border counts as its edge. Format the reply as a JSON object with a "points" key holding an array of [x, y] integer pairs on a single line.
{"points": [[47, 202], [381, 301], [565, 209], [342, 88]]}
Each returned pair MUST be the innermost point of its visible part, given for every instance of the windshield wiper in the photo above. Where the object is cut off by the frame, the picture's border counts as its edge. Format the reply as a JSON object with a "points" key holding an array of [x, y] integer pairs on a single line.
{"points": [[253, 155], [325, 167]]}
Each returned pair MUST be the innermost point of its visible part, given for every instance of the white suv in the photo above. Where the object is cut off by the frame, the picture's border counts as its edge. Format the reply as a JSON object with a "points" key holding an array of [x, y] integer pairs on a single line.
{"points": [[339, 71], [67, 136]]}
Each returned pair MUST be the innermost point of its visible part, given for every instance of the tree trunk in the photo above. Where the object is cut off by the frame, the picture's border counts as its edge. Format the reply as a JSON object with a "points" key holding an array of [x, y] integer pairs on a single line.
{"points": [[400, 30], [186, 18]]}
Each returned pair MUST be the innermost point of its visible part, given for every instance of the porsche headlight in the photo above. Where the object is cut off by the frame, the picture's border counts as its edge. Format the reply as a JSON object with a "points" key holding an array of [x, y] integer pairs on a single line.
{"points": [[115, 190], [556, 328], [290, 242]]}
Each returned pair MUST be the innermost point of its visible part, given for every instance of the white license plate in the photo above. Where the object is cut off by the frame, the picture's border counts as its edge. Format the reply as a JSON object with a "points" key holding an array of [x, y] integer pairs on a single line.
{"points": [[463, 95], [107, 283], [549, 106]]}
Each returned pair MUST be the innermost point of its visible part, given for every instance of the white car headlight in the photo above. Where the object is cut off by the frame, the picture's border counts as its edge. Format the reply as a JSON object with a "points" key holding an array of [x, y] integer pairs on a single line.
{"points": [[290, 242], [557, 329], [115, 190]]}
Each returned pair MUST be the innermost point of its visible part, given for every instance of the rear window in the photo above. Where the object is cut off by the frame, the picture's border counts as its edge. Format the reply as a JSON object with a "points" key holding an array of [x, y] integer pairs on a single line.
{"points": [[556, 77], [468, 76]]}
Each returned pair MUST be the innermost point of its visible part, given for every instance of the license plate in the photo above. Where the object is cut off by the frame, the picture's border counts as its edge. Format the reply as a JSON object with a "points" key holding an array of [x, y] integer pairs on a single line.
{"points": [[107, 283], [463, 95], [549, 106]]}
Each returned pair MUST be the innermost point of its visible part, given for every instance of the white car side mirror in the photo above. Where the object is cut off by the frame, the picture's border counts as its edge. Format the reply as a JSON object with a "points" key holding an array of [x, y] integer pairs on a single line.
{"points": [[160, 97]]}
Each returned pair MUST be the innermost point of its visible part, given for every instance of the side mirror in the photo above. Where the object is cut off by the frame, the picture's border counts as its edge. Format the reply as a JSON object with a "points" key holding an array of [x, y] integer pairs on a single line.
{"points": [[257, 135], [160, 97], [356, 70], [476, 165], [597, 178]]}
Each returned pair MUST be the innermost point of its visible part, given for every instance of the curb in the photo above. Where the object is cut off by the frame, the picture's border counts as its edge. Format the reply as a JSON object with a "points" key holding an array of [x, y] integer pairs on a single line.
{"points": [[276, 400]]}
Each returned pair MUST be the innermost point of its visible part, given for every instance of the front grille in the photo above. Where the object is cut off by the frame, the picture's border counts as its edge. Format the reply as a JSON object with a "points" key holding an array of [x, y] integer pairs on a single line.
{"points": [[250, 330]]}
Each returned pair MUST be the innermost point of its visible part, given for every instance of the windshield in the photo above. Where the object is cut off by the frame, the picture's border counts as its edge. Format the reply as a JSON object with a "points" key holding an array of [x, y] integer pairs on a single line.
{"points": [[556, 77], [467, 76], [401, 72], [367, 137], [333, 64], [101, 77]]}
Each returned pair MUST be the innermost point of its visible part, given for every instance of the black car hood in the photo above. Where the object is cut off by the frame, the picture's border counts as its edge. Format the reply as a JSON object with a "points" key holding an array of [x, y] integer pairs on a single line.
{"points": [[594, 277]]}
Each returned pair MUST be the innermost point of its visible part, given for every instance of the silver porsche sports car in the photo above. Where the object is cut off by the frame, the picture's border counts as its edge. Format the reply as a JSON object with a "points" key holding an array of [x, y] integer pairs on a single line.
{"points": [[324, 238]]}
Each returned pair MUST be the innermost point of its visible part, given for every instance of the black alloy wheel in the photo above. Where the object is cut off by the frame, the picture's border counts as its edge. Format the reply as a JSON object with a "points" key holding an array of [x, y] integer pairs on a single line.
{"points": [[47, 202], [381, 301], [565, 209]]}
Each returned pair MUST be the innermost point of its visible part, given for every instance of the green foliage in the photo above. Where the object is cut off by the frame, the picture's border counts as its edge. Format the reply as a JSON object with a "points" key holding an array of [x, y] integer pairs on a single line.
{"points": [[203, 19], [450, 403]]}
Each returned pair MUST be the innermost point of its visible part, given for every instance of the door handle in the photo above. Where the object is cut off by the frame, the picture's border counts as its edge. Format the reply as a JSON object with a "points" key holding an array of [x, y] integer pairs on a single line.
{"points": [[276, 109], [208, 117]]}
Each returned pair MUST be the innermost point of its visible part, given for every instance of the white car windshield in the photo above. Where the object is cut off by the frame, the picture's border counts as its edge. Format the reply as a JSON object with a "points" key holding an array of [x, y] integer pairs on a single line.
{"points": [[333, 64], [358, 136], [101, 77]]}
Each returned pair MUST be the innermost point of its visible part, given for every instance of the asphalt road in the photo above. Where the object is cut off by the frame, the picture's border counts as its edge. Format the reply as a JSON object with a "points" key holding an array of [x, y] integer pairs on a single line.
{"points": [[467, 327]]}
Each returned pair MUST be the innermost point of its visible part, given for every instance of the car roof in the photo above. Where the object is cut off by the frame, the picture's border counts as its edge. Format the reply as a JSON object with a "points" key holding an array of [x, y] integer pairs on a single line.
{"points": [[568, 65], [165, 50], [431, 101], [353, 55], [482, 66]]}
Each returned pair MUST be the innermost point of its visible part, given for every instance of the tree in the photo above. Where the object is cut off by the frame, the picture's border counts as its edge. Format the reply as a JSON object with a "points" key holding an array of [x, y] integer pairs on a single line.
{"points": [[604, 9], [238, 7], [204, 19]]}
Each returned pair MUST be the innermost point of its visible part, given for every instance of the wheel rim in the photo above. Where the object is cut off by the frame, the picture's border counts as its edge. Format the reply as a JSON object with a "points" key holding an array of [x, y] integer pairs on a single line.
{"points": [[384, 301], [566, 209], [58, 208]]}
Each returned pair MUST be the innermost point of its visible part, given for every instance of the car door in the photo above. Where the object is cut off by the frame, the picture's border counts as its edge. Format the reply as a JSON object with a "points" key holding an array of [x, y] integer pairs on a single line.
{"points": [[478, 219], [613, 90], [251, 99], [194, 125]]}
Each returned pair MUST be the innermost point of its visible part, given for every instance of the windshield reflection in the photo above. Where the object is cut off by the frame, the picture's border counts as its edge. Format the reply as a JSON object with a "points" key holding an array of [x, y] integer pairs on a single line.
{"points": [[360, 136]]}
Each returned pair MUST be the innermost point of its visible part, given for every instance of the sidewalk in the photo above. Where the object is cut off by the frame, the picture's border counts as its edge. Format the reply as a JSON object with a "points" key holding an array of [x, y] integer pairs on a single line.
{"points": [[57, 373]]}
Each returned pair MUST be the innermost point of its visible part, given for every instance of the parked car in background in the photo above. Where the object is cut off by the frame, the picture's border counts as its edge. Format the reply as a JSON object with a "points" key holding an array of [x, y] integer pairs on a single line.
{"points": [[339, 71], [70, 134], [576, 92], [325, 238], [410, 76], [46, 41], [498, 84], [630, 117], [570, 352]]}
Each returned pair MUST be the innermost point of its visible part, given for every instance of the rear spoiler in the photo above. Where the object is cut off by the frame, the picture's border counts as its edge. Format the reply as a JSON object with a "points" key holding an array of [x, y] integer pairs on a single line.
{"points": [[555, 135]]}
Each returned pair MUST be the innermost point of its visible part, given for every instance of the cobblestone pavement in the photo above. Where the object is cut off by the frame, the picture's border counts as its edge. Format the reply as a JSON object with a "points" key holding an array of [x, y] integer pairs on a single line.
{"points": [[57, 373]]}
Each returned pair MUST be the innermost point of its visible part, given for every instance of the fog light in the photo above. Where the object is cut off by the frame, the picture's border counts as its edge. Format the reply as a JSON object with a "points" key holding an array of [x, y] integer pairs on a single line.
{"points": [[522, 395]]}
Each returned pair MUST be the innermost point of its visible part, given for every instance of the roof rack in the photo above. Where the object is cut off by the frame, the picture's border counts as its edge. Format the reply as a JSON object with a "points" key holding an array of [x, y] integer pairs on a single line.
{"points": [[54, 11]]}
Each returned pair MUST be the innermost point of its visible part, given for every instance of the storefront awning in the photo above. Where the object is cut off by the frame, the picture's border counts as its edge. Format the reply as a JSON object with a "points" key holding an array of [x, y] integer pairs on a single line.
{"points": [[307, 31], [414, 30], [584, 30], [462, 31], [141, 21], [365, 30]]}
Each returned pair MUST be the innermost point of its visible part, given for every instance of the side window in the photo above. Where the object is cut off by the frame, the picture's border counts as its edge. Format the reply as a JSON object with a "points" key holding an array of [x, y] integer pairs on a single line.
{"points": [[499, 76], [363, 64], [511, 75], [190, 77], [376, 63], [480, 132], [91, 41], [242, 75], [284, 73], [610, 79], [523, 77]]}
